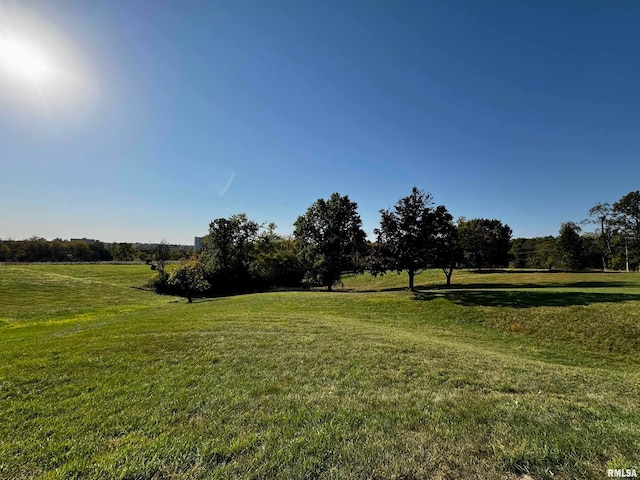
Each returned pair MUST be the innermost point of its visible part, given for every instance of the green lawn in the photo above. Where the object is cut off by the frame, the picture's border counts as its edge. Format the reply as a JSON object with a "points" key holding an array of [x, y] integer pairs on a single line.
{"points": [[505, 375]]}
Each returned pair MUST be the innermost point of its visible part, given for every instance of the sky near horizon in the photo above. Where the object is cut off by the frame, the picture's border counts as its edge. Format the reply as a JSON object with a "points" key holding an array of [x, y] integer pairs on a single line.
{"points": [[143, 121]]}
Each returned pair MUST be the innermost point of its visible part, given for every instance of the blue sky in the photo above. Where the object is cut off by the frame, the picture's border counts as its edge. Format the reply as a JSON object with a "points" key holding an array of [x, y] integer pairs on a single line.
{"points": [[162, 116]]}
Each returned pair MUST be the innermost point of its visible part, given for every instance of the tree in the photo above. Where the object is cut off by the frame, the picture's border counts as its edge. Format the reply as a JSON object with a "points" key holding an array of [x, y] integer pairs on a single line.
{"points": [[601, 214], [189, 278], [80, 251], [161, 256], [5, 252], [228, 250], [538, 252], [123, 251], [570, 246], [276, 262], [99, 251], [485, 242], [447, 250], [329, 237], [629, 207], [414, 236], [592, 251], [627, 210]]}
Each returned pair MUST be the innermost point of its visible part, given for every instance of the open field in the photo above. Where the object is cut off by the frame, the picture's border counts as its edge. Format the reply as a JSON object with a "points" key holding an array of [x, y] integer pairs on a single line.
{"points": [[505, 375]]}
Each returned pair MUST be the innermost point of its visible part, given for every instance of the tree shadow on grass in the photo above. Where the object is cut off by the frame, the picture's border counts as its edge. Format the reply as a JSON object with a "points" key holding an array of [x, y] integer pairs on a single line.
{"points": [[525, 299], [527, 271], [368, 290], [493, 285]]}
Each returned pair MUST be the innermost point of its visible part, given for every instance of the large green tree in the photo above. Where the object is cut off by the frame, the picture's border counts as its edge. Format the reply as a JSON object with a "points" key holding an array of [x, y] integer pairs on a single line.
{"points": [[538, 252], [571, 246], [276, 262], [627, 211], [330, 239], [228, 251], [602, 215], [414, 236], [485, 242], [447, 252]]}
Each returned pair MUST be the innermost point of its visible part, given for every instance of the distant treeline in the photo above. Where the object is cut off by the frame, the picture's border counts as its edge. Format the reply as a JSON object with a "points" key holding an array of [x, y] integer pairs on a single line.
{"points": [[547, 253], [614, 245], [41, 250]]}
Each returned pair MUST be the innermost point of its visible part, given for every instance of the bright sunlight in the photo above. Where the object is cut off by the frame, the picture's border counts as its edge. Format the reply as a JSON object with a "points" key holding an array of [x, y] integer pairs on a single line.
{"points": [[24, 60], [41, 69]]}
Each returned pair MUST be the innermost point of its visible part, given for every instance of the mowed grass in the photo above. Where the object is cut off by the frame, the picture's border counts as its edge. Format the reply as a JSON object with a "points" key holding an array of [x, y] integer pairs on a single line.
{"points": [[505, 375]]}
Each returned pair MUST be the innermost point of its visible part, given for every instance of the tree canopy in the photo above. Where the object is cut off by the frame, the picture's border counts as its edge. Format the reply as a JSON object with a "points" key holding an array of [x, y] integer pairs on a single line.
{"points": [[414, 236], [627, 211], [228, 250], [485, 242], [570, 246], [330, 239], [189, 278], [601, 214]]}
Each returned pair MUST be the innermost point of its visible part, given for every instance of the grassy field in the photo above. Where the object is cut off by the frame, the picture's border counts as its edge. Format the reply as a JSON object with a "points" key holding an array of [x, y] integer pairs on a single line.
{"points": [[504, 375]]}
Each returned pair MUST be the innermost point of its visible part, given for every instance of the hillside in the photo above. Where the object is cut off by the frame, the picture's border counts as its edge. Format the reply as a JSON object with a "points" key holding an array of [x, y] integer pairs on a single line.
{"points": [[505, 375]]}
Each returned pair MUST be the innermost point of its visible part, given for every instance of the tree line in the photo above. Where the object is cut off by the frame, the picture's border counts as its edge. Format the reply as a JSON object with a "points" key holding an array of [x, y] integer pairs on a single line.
{"points": [[238, 254], [38, 249], [614, 245]]}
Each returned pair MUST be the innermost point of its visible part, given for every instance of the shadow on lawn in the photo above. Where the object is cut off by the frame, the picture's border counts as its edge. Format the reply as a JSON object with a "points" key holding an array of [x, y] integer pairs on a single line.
{"points": [[490, 286], [543, 271], [524, 299], [494, 285]]}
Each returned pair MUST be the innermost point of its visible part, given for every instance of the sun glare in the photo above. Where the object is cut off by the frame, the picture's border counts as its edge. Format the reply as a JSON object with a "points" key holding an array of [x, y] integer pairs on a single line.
{"points": [[24, 60], [42, 72]]}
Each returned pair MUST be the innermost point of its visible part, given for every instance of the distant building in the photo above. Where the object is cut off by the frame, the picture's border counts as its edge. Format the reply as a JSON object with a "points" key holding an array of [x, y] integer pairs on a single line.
{"points": [[86, 240], [197, 243]]}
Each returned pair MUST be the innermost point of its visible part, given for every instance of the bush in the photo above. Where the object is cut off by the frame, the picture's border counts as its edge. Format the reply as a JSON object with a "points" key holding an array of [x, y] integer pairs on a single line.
{"points": [[189, 278], [159, 282]]}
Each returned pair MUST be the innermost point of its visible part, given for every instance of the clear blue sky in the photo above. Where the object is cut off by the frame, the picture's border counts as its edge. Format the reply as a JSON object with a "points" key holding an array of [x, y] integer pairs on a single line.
{"points": [[161, 116]]}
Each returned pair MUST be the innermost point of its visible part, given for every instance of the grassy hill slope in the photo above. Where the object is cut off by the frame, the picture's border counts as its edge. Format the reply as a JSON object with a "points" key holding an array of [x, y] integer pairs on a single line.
{"points": [[505, 375]]}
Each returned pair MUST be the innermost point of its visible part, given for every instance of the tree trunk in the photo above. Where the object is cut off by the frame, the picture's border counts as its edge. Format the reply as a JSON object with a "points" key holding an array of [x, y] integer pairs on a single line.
{"points": [[189, 297], [411, 275], [329, 288], [626, 254], [448, 275]]}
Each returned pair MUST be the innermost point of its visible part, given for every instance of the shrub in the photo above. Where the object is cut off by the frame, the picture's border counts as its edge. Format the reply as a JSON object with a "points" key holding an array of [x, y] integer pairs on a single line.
{"points": [[189, 278], [159, 282]]}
